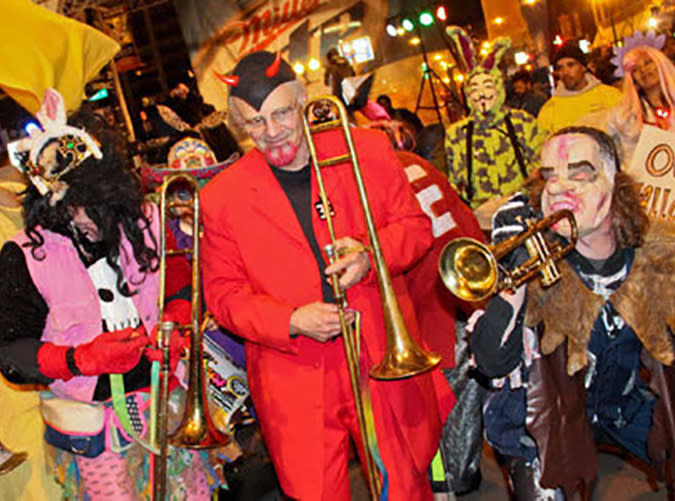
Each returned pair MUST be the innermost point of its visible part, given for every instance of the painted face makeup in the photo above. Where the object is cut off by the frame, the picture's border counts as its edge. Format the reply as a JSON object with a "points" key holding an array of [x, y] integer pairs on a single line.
{"points": [[482, 92], [276, 129], [577, 179]]}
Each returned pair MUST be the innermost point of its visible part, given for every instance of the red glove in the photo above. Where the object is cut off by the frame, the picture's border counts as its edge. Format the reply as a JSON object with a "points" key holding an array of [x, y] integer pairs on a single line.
{"points": [[177, 346], [114, 352]]}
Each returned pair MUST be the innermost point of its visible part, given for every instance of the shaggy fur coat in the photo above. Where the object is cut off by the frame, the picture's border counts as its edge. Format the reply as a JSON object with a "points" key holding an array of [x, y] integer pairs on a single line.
{"points": [[564, 315]]}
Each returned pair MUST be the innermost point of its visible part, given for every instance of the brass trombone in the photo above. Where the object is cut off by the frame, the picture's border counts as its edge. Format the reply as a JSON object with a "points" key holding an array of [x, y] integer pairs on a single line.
{"points": [[403, 357], [470, 269], [196, 430]]}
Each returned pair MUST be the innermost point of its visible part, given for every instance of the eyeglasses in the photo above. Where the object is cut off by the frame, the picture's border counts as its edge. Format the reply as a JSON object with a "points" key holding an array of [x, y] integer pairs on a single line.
{"points": [[278, 116]]}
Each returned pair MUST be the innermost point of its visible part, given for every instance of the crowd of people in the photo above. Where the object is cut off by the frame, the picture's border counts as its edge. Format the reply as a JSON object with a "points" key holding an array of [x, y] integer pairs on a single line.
{"points": [[294, 281]]}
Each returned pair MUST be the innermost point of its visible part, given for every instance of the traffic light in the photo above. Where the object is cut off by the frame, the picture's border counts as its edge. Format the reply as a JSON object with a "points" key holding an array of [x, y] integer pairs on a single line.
{"points": [[441, 13], [407, 24]]}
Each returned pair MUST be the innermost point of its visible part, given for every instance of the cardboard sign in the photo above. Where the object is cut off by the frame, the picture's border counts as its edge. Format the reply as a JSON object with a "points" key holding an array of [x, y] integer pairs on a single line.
{"points": [[653, 167]]}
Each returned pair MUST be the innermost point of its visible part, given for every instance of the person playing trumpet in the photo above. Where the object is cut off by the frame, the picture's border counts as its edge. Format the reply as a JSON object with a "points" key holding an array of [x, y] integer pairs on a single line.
{"points": [[567, 361], [266, 280]]}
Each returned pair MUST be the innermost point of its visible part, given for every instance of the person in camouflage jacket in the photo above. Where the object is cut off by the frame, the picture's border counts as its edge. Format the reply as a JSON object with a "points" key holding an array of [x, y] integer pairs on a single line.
{"points": [[490, 153]]}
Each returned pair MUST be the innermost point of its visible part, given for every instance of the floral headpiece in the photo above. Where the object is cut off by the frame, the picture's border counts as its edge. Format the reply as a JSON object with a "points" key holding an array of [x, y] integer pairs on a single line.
{"points": [[638, 39], [73, 146]]}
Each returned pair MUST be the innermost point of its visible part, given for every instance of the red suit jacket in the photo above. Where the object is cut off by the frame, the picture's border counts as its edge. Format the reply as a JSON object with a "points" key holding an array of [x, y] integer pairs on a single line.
{"points": [[451, 218], [258, 267]]}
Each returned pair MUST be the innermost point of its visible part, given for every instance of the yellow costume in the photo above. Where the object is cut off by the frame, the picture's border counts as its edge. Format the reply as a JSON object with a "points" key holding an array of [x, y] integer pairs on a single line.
{"points": [[21, 427]]}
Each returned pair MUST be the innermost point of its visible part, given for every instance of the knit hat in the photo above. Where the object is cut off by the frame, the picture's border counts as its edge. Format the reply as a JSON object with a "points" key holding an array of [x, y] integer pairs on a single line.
{"points": [[571, 50]]}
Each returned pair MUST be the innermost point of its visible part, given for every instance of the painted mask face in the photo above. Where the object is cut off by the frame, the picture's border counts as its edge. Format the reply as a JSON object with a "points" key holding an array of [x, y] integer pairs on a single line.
{"points": [[579, 179], [482, 92], [276, 129]]}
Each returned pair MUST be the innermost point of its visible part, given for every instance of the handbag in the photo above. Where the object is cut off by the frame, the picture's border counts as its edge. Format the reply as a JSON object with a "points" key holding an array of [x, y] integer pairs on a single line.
{"points": [[72, 426]]}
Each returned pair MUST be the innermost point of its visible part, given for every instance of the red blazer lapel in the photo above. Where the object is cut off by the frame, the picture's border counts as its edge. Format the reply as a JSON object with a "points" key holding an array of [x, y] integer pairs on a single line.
{"points": [[271, 203]]}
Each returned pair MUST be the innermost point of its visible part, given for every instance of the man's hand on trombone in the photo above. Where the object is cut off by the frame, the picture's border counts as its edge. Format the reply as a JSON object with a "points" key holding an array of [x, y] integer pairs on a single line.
{"points": [[352, 264], [319, 321]]}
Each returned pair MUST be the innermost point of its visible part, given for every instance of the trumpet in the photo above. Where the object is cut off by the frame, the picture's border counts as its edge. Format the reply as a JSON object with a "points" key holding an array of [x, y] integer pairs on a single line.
{"points": [[403, 357], [470, 269]]}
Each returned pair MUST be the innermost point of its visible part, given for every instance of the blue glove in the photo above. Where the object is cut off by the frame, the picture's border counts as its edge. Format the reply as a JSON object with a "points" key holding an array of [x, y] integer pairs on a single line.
{"points": [[509, 220]]}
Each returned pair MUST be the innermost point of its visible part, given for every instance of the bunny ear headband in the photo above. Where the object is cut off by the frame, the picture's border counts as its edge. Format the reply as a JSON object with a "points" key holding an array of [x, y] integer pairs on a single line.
{"points": [[465, 50], [649, 39], [73, 146]]}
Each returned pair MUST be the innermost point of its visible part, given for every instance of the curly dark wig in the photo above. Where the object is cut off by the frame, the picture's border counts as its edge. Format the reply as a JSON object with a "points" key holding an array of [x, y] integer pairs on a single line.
{"points": [[629, 220], [110, 195]]}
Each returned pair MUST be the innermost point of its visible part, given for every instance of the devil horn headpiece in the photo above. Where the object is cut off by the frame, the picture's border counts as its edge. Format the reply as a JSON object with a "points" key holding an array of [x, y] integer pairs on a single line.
{"points": [[256, 75]]}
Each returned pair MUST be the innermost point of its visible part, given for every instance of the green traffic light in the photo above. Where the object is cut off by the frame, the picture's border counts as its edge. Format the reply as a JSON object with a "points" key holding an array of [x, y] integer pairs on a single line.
{"points": [[426, 19], [407, 24]]}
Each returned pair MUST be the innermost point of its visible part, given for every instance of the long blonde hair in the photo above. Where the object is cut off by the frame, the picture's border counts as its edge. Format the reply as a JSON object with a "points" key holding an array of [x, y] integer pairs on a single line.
{"points": [[631, 105]]}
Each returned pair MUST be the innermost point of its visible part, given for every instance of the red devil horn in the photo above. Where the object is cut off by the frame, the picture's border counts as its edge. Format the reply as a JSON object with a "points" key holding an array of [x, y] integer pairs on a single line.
{"points": [[231, 80], [273, 68]]}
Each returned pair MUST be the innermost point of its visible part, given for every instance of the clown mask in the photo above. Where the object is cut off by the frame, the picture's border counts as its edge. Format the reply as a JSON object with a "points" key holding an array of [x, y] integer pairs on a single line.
{"points": [[579, 178], [483, 91]]}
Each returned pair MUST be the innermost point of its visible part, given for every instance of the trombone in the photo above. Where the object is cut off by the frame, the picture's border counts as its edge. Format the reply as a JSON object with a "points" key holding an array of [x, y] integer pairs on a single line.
{"points": [[196, 430], [403, 356], [470, 269]]}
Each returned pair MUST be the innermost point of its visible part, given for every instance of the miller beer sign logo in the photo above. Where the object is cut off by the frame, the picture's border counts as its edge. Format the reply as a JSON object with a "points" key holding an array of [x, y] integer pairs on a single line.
{"points": [[264, 25]]}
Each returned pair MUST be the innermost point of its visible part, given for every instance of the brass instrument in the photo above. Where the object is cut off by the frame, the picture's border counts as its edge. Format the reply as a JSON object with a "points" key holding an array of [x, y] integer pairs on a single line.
{"points": [[470, 269], [196, 430], [403, 357], [10, 460]]}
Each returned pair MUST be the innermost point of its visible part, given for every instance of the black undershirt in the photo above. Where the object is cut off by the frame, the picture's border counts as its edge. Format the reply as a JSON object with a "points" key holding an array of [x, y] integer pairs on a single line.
{"points": [[298, 188]]}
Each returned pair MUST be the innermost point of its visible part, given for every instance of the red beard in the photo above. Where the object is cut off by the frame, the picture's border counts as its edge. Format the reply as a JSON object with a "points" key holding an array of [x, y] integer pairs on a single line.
{"points": [[282, 155]]}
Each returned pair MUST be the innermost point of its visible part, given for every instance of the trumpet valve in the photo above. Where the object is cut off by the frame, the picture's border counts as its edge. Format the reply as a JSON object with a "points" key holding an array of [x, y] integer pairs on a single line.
{"points": [[550, 273]]}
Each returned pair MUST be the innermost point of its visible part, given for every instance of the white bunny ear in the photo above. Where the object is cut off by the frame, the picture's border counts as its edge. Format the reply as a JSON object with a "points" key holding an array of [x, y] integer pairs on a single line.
{"points": [[52, 112]]}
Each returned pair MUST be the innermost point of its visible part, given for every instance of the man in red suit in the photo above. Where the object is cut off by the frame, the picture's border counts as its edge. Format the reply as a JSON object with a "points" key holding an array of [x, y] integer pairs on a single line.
{"points": [[266, 279]]}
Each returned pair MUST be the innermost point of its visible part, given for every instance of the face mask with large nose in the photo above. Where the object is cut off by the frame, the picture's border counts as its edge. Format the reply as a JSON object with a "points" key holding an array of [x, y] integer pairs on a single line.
{"points": [[578, 179]]}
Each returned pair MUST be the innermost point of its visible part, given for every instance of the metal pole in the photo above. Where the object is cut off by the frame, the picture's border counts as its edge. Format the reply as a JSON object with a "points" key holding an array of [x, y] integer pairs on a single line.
{"points": [[428, 74]]}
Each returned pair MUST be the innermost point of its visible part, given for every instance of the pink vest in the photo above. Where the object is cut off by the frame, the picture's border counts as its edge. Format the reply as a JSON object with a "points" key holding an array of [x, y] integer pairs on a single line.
{"points": [[74, 313]]}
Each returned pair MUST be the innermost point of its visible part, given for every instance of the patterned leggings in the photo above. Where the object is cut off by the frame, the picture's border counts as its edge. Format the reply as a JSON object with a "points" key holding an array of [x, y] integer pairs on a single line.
{"points": [[106, 477]]}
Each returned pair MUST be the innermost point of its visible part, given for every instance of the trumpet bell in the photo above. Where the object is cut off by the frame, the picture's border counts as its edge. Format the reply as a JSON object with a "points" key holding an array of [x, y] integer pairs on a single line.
{"points": [[468, 269]]}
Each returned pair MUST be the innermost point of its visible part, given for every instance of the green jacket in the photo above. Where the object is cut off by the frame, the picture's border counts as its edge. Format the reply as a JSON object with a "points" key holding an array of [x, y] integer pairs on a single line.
{"points": [[495, 170]]}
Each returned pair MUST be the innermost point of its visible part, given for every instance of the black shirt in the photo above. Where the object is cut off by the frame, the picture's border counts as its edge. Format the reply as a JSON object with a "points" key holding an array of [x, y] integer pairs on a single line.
{"points": [[298, 188]]}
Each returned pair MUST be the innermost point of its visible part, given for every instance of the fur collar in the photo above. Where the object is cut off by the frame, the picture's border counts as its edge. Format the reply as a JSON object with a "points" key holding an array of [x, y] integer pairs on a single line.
{"points": [[646, 301]]}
